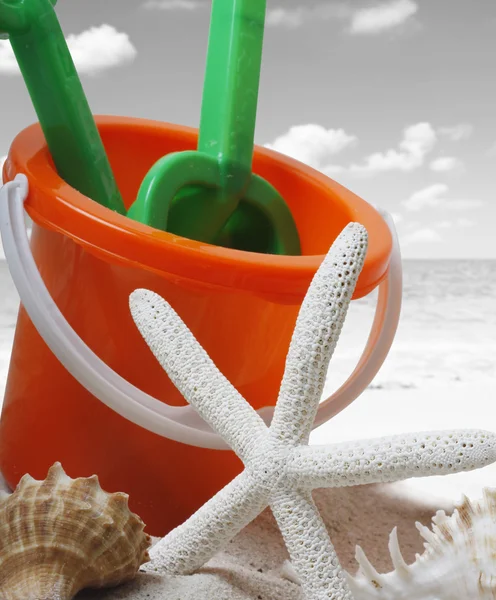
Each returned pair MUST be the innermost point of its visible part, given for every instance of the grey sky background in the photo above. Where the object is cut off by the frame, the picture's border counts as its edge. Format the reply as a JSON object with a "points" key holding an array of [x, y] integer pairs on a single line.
{"points": [[395, 99]]}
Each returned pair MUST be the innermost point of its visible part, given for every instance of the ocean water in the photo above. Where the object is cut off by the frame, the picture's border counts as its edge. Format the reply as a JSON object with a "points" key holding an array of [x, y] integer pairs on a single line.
{"points": [[447, 331]]}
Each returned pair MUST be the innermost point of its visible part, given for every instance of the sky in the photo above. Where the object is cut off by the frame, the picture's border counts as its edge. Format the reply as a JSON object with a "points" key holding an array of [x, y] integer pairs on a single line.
{"points": [[395, 99]]}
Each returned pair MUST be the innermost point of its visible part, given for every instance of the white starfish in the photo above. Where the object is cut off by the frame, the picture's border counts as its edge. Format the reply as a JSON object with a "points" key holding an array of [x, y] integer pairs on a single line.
{"points": [[281, 469]]}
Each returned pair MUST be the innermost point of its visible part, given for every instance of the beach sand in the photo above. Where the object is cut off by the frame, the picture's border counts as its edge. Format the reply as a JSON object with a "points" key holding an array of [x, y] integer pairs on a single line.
{"points": [[251, 568], [440, 375]]}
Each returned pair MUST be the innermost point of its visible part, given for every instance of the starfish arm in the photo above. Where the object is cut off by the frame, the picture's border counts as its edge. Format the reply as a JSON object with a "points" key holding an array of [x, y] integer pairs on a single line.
{"points": [[194, 374], [188, 547], [316, 334], [391, 458], [311, 551]]}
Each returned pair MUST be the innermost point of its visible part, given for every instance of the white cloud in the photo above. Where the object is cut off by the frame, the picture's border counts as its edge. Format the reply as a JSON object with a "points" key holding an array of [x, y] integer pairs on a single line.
{"points": [[313, 145], [100, 48], [93, 51], [382, 17], [426, 197], [286, 17], [461, 222], [426, 234], [423, 235], [418, 140], [317, 146], [433, 197], [331, 170], [364, 21], [459, 132], [295, 17], [445, 163], [432, 234], [445, 225], [173, 4]]}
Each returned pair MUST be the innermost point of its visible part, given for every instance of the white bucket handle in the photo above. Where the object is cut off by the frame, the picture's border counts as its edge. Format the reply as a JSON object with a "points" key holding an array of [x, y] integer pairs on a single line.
{"points": [[181, 424]]}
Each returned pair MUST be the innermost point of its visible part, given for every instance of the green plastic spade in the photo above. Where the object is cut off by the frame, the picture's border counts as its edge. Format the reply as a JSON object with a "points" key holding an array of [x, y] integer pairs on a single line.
{"points": [[58, 98], [211, 194]]}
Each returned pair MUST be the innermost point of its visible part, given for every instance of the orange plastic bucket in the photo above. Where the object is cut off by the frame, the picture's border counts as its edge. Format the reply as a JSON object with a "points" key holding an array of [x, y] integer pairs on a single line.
{"points": [[241, 306]]}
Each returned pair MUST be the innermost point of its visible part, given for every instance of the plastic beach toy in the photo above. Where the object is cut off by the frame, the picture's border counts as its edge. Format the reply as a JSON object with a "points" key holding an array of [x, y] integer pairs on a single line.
{"points": [[76, 342], [58, 98], [211, 194], [261, 220]]}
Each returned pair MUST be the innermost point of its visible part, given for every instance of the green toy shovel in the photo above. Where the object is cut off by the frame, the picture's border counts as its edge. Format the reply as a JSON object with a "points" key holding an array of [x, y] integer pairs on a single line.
{"points": [[58, 98], [211, 194]]}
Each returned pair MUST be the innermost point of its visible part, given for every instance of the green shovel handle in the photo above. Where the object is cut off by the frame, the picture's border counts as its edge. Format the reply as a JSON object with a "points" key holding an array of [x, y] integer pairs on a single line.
{"points": [[59, 100], [232, 79]]}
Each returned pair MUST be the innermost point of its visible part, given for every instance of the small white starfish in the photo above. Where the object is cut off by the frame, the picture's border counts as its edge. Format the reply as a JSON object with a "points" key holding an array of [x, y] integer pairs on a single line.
{"points": [[281, 469]]}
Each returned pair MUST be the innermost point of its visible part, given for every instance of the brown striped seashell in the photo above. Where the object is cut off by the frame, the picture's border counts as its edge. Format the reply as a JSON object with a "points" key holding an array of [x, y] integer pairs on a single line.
{"points": [[61, 535]]}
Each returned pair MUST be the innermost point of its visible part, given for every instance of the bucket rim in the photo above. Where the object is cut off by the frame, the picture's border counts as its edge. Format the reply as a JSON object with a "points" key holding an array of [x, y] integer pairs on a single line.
{"points": [[55, 205]]}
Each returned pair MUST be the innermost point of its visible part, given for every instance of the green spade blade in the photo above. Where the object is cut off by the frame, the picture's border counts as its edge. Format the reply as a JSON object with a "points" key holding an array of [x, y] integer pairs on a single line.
{"points": [[196, 194]]}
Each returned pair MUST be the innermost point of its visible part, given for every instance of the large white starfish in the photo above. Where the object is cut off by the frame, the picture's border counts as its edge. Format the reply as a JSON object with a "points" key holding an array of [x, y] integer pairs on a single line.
{"points": [[281, 469]]}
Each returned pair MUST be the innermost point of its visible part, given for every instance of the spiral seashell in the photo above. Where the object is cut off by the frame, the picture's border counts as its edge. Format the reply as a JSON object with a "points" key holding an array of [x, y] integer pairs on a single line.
{"points": [[61, 535], [458, 562]]}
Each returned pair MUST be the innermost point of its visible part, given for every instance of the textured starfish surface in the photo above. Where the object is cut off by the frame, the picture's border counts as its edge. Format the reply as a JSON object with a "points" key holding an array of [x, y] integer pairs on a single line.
{"points": [[281, 469]]}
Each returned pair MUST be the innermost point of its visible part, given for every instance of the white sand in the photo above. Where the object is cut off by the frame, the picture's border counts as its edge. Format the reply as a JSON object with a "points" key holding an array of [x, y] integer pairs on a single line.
{"points": [[251, 566]]}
